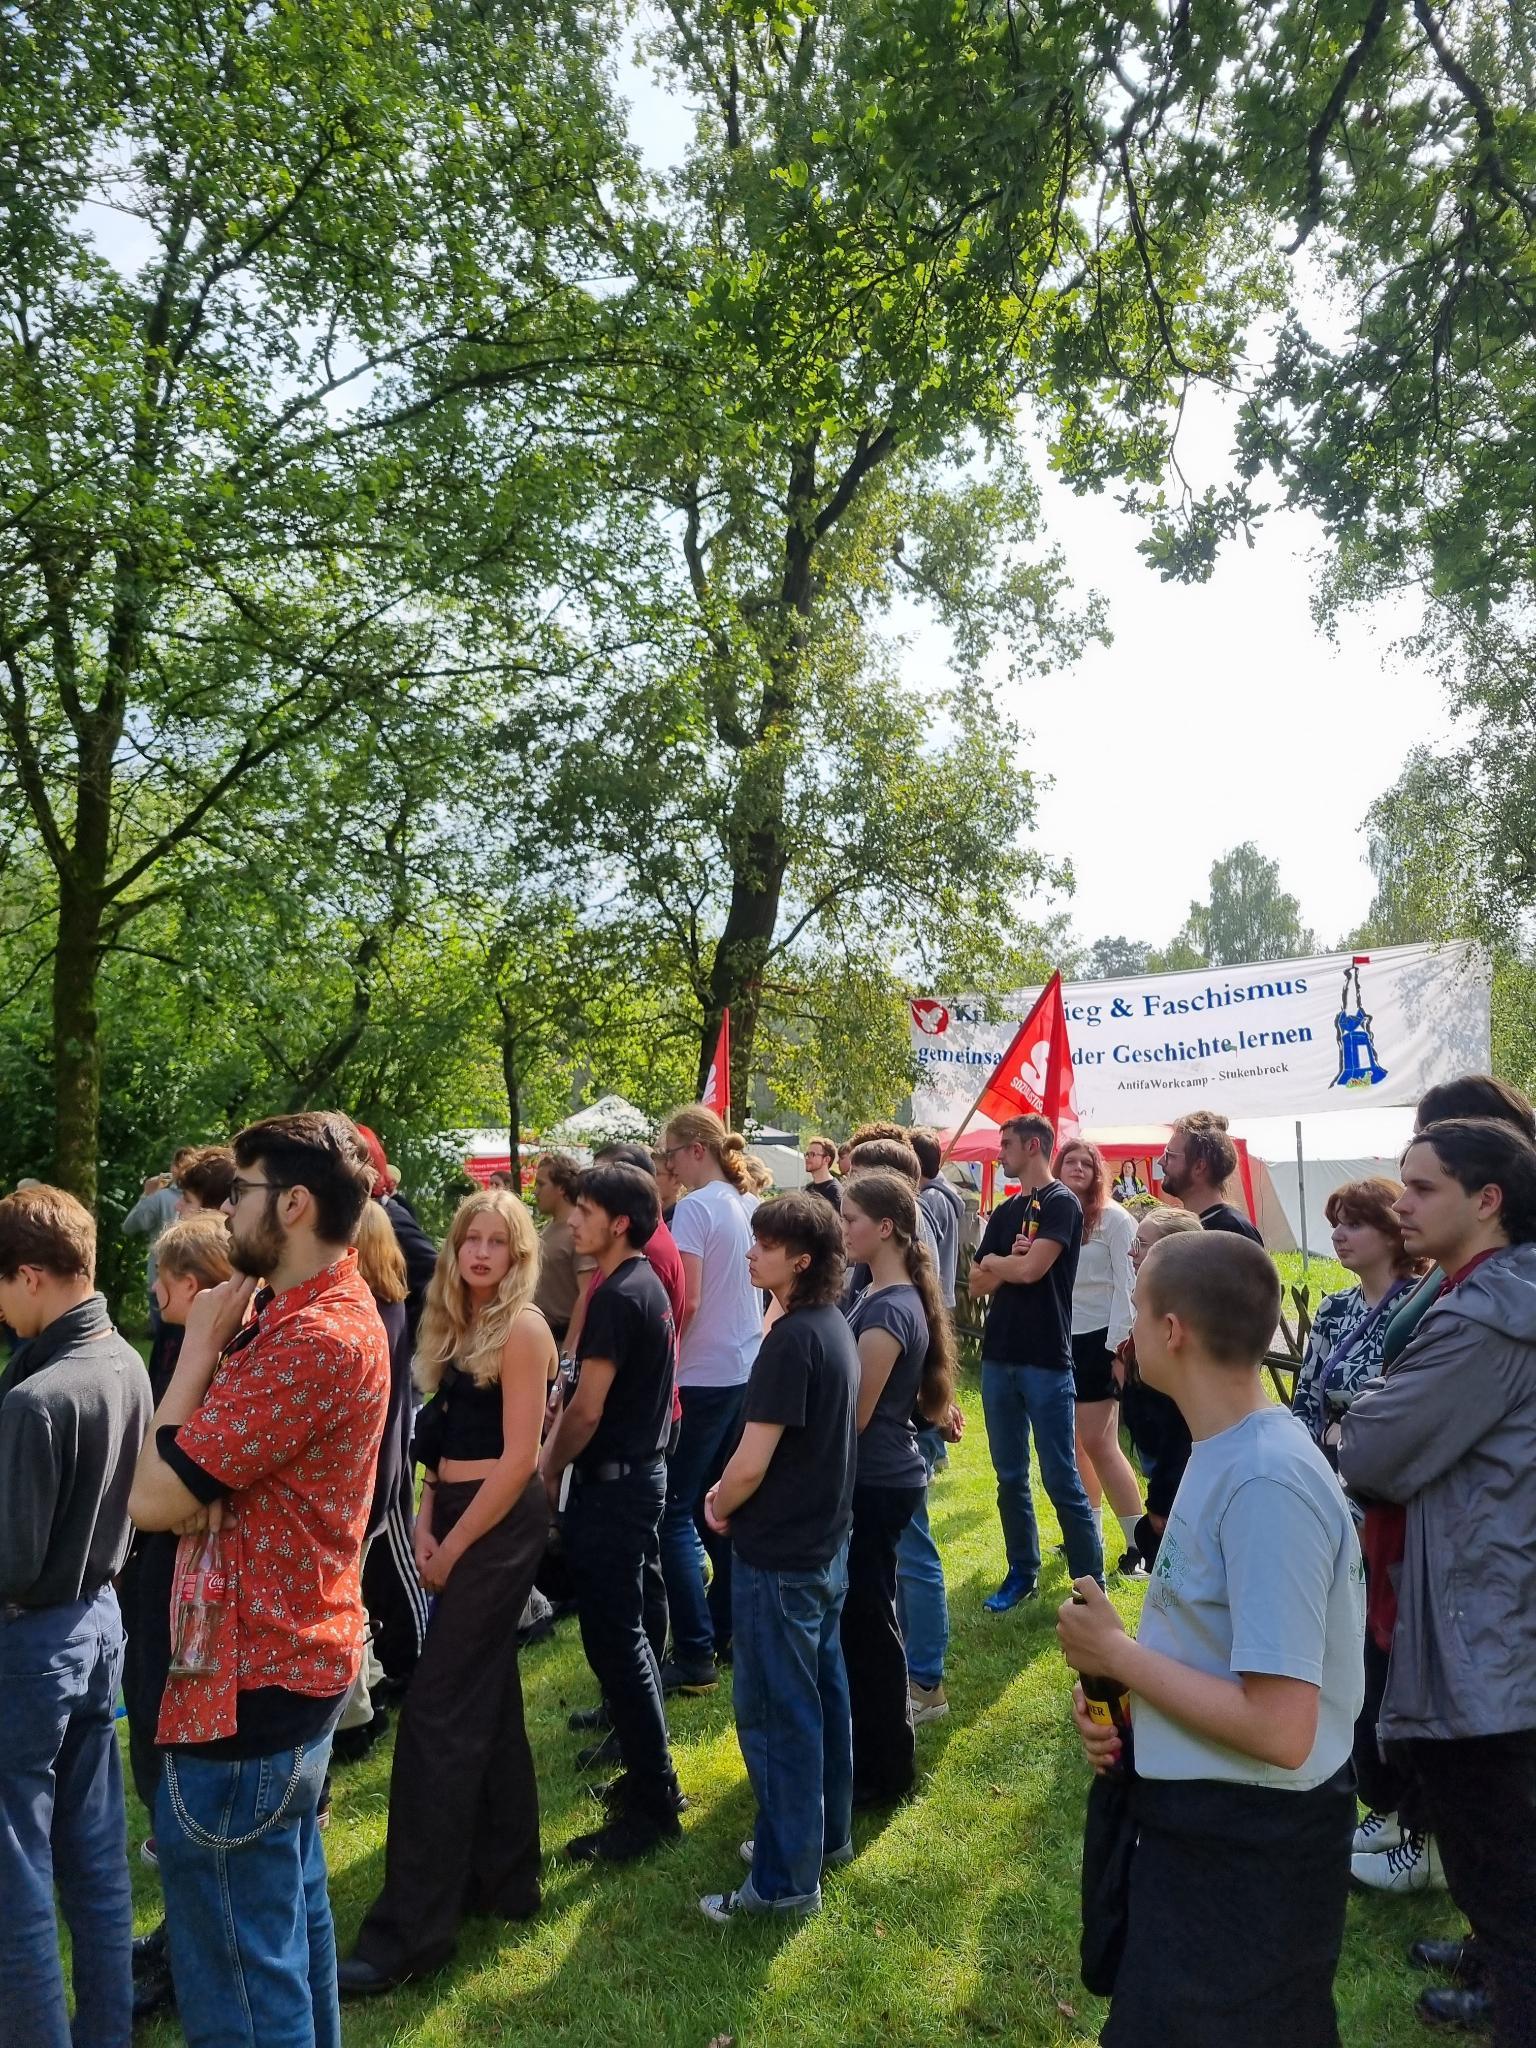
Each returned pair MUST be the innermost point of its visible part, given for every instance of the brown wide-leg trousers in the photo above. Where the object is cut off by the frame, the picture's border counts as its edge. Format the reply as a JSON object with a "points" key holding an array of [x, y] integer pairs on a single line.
{"points": [[463, 1801]]}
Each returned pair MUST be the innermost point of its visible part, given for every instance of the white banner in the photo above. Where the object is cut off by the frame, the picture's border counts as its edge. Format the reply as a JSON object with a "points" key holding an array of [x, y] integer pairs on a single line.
{"points": [[1282, 1039]]}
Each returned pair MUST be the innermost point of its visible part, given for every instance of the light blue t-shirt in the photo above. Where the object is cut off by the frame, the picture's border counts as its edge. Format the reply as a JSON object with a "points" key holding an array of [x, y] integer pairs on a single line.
{"points": [[1259, 1570]]}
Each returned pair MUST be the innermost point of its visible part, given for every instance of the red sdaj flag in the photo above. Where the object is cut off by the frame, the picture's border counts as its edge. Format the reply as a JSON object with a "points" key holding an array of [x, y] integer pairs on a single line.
{"points": [[1034, 1076], [717, 1083]]}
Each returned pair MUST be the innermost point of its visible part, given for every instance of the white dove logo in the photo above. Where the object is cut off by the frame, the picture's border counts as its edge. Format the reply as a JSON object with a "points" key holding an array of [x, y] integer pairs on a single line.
{"points": [[931, 1018]]}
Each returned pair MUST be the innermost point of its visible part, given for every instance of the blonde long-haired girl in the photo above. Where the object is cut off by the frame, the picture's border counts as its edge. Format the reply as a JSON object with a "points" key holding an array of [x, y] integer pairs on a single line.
{"points": [[906, 1364], [1101, 1322], [463, 1806]]}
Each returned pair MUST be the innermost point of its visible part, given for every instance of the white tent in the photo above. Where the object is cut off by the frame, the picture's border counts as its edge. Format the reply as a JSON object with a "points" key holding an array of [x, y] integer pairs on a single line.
{"points": [[607, 1119], [1336, 1146]]}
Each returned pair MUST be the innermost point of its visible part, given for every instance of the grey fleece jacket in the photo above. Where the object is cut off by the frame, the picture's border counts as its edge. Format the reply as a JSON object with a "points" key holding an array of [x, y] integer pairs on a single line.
{"points": [[1451, 1433]]}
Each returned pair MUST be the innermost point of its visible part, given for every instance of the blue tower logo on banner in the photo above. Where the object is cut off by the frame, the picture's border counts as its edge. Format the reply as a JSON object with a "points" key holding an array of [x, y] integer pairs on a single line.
{"points": [[1358, 1064]]}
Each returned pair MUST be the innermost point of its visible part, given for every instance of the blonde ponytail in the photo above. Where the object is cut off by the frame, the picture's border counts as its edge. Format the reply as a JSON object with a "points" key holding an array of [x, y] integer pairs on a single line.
{"points": [[697, 1125]]}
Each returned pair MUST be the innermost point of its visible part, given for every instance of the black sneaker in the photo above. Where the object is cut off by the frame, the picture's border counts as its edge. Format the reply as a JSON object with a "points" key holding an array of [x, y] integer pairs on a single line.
{"points": [[1461, 1961], [588, 1720], [1131, 1566], [153, 1989], [689, 1678], [598, 1755], [620, 1791], [351, 1745], [1468, 2011], [630, 1832]]}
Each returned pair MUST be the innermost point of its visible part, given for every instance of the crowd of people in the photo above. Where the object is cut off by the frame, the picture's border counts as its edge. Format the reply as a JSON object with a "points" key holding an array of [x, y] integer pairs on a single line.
{"points": [[706, 1417]]}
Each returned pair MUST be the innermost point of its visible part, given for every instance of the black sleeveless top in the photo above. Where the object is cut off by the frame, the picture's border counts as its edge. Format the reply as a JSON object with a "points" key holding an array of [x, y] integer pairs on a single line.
{"points": [[462, 1420]]}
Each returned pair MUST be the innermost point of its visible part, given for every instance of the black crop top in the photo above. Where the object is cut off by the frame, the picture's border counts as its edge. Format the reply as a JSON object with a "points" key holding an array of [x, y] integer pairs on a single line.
{"points": [[462, 1420]]}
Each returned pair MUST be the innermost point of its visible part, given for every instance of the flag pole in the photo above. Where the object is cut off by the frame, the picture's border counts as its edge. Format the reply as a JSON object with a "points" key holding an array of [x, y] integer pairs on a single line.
{"points": [[965, 1123]]}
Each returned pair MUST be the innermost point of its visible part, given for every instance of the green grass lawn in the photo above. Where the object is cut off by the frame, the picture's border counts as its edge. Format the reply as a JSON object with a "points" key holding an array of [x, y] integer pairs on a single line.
{"points": [[956, 1922]]}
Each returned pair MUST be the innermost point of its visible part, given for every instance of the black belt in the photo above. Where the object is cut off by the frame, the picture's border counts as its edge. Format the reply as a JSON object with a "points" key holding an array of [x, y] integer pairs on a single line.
{"points": [[616, 1468]]}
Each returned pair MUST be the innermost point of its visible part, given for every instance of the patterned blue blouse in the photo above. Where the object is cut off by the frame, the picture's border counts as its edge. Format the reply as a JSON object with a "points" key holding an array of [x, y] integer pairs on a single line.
{"points": [[1342, 1354]]}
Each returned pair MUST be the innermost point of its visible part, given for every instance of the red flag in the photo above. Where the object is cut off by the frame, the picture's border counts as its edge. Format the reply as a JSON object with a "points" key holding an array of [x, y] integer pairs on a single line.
{"points": [[717, 1083], [1034, 1076]]}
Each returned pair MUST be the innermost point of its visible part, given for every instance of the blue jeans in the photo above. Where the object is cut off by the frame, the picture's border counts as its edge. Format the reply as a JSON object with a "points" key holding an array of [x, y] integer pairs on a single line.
{"points": [[62, 1822], [253, 1951], [706, 1437], [794, 1727], [1014, 1400], [921, 1602]]}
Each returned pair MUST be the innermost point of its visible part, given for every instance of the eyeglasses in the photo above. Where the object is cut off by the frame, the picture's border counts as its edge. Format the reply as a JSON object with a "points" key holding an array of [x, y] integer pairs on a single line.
{"points": [[239, 1188]]}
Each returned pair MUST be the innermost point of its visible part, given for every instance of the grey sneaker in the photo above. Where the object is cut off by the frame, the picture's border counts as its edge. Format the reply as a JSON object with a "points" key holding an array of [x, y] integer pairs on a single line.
{"points": [[928, 1702]]}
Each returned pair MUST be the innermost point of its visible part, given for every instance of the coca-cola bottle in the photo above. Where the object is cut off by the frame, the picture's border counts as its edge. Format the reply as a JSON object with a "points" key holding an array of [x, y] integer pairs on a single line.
{"points": [[201, 1587]]}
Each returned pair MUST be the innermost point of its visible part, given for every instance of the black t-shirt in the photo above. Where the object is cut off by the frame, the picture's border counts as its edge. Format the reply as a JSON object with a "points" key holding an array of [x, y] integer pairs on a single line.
{"points": [[629, 1322], [1222, 1216], [828, 1190], [888, 1453], [805, 1376], [1030, 1322]]}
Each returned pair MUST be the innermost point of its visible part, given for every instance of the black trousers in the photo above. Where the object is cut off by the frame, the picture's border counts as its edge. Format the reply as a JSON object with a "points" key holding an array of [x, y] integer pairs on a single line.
{"points": [[144, 1589], [1237, 1902], [1384, 1785], [610, 1537], [884, 1749], [393, 1594], [463, 1800], [1477, 1797]]}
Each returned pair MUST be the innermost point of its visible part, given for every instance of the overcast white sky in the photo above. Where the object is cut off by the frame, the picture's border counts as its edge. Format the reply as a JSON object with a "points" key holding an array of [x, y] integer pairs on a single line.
{"points": [[1219, 713]]}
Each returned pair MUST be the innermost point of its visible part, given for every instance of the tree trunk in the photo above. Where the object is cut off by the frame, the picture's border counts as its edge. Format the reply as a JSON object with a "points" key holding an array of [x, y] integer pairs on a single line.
{"points": [[736, 978], [511, 1076], [77, 1042]]}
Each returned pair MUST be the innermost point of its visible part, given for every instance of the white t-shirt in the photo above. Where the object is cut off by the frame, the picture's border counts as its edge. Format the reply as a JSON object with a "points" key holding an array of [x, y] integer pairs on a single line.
{"points": [[1101, 1293], [721, 1342], [1259, 1570]]}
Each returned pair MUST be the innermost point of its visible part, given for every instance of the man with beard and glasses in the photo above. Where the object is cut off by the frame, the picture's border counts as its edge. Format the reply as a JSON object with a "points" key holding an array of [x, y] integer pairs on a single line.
{"points": [[1198, 1161], [269, 1432]]}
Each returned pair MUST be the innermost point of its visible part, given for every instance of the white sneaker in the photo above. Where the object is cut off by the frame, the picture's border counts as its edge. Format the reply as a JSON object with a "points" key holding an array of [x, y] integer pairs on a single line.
{"points": [[1378, 1833], [1413, 1866]]}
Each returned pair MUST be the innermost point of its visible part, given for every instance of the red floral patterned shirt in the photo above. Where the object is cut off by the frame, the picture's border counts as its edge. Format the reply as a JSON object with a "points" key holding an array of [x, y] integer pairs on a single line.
{"points": [[290, 1428]]}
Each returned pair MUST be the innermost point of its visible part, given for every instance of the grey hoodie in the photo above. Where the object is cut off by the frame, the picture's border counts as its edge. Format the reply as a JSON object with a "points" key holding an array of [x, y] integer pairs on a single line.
{"points": [[1451, 1433], [945, 1211]]}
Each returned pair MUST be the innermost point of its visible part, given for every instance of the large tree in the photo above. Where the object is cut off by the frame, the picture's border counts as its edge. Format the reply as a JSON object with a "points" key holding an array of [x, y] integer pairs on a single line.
{"points": [[292, 305], [896, 226], [1248, 917]]}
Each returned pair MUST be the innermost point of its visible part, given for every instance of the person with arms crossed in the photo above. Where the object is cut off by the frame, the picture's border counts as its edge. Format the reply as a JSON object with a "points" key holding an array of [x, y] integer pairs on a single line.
{"points": [[1197, 1163], [787, 1499], [1245, 1680], [1449, 1432], [611, 1434], [1026, 1360], [271, 1425], [74, 1405]]}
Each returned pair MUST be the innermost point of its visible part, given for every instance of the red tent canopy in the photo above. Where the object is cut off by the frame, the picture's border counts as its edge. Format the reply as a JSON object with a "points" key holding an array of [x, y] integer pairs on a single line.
{"points": [[1118, 1142]]}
